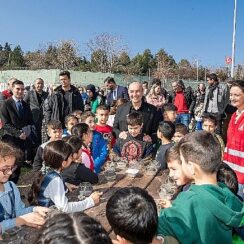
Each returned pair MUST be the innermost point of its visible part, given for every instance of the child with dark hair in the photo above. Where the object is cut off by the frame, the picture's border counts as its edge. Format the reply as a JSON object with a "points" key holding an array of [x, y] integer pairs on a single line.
{"points": [[209, 124], [77, 172], [99, 146], [77, 114], [54, 131], [180, 131], [165, 133], [189, 220], [133, 147], [228, 176], [50, 189], [69, 122], [83, 131], [102, 114], [132, 214], [12, 210], [169, 112], [76, 228]]}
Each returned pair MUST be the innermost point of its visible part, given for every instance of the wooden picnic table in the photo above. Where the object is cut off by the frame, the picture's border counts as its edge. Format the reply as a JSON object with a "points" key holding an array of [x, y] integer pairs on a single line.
{"points": [[149, 182]]}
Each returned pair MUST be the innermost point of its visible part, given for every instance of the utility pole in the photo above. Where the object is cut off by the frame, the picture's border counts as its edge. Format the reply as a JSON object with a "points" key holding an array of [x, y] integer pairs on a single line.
{"points": [[233, 41], [197, 69]]}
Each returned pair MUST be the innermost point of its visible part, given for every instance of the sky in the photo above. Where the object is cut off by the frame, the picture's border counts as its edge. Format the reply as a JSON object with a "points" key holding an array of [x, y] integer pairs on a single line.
{"points": [[192, 29]]}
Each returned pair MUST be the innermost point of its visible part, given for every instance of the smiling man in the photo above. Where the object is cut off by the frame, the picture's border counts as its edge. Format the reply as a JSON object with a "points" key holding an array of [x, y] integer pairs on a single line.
{"points": [[150, 115], [17, 120], [65, 99]]}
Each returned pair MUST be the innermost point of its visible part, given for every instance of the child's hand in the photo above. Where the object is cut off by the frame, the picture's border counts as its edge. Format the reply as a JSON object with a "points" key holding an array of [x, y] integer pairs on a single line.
{"points": [[71, 187], [96, 196], [41, 210], [165, 203], [30, 219], [123, 135], [147, 138]]}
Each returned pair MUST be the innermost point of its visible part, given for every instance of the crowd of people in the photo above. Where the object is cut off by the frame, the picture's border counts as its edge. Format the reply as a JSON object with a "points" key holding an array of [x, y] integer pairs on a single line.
{"points": [[67, 135]]}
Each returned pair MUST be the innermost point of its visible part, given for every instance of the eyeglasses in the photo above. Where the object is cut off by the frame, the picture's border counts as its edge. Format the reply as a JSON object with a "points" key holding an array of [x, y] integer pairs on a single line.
{"points": [[7, 170]]}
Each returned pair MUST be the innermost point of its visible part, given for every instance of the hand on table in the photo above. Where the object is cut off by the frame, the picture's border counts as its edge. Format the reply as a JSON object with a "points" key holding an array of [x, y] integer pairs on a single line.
{"points": [[71, 187], [31, 219], [42, 211], [96, 196]]}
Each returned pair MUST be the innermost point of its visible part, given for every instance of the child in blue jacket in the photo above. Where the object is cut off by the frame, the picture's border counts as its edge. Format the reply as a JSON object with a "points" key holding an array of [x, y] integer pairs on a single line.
{"points": [[99, 146]]}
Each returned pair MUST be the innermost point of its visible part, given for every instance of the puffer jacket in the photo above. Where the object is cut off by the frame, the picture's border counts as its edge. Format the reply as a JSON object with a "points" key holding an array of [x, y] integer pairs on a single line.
{"points": [[54, 105]]}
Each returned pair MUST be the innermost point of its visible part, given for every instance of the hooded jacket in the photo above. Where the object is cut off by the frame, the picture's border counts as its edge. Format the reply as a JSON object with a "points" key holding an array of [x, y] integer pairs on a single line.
{"points": [[54, 104], [203, 214]]}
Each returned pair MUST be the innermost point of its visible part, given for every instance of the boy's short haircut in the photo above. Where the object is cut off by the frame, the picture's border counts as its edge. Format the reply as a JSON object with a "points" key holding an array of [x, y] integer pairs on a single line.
{"points": [[62, 73], [103, 107], [86, 114], [228, 176], [201, 148], [181, 128], [54, 124], [172, 153], [210, 117], [169, 107], [132, 214], [167, 129], [69, 117], [134, 118], [74, 141]]}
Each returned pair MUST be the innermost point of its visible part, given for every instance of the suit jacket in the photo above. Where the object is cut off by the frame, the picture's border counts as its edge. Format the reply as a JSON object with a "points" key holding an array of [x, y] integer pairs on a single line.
{"points": [[36, 108], [13, 122], [122, 92], [151, 119]]}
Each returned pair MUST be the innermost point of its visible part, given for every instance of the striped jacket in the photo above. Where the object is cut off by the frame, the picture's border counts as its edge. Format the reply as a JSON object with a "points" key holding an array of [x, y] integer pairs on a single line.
{"points": [[234, 151]]}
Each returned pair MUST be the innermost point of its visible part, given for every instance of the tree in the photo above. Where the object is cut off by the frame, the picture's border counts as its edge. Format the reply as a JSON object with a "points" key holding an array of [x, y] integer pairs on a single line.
{"points": [[17, 58], [104, 50], [123, 64], [185, 69], [50, 56], [165, 64], [5, 54], [35, 60], [67, 54]]}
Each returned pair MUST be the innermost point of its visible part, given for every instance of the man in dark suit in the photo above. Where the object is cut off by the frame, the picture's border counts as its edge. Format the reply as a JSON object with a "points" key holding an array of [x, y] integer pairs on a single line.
{"points": [[115, 92], [149, 112], [17, 120], [35, 98]]}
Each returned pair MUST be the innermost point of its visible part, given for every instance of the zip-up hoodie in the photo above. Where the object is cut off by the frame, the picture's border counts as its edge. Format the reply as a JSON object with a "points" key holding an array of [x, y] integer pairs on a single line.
{"points": [[204, 214]]}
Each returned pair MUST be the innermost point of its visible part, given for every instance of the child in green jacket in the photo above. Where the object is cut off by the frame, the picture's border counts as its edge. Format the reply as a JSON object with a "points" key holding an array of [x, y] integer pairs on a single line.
{"points": [[208, 211]]}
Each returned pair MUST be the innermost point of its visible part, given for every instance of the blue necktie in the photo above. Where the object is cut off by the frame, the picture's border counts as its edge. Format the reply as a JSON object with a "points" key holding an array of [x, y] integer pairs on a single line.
{"points": [[20, 108]]}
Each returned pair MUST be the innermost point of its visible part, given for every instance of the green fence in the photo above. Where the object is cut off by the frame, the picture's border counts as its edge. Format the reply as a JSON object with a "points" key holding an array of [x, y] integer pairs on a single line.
{"points": [[78, 78]]}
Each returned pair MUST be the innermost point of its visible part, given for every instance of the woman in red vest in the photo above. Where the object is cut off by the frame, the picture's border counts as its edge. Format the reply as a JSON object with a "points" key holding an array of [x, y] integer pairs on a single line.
{"points": [[234, 151]]}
